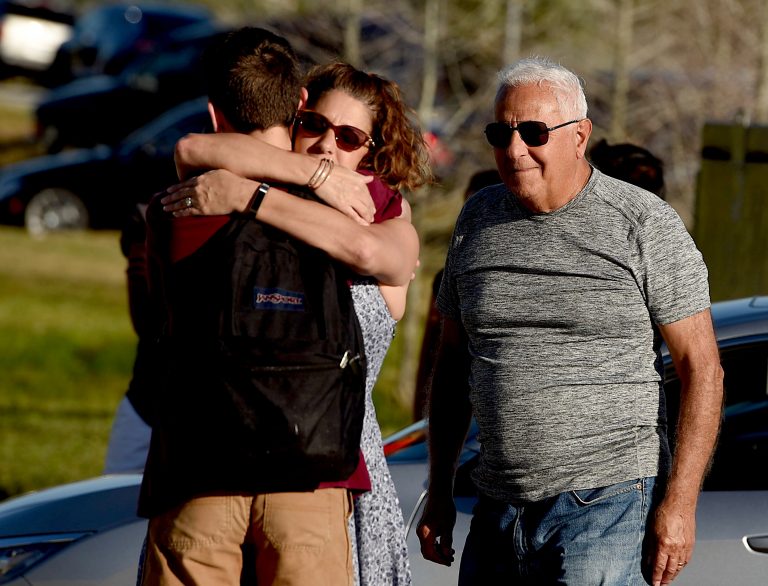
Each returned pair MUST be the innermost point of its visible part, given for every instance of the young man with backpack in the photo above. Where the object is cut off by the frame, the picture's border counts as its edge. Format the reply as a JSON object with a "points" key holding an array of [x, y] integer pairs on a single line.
{"points": [[258, 403]]}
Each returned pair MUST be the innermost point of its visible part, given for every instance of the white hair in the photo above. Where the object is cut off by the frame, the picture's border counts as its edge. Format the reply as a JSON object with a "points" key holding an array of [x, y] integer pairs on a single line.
{"points": [[567, 87]]}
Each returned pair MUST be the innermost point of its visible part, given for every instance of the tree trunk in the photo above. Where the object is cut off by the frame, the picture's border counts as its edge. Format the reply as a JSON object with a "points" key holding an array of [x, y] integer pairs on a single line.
{"points": [[513, 32], [761, 107], [432, 15], [621, 68], [352, 52]]}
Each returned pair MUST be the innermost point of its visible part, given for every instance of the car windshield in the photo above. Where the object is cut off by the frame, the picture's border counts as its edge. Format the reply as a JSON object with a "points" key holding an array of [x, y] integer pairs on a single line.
{"points": [[106, 21], [162, 134], [170, 59]]}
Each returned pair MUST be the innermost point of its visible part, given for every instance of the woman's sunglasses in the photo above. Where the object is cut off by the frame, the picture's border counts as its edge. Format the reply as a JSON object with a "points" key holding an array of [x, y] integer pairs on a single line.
{"points": [[533, 133], [348, 138]]}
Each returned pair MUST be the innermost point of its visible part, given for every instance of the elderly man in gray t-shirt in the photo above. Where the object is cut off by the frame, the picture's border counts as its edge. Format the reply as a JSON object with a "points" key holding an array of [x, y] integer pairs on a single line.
{"points": [[557, 285]]}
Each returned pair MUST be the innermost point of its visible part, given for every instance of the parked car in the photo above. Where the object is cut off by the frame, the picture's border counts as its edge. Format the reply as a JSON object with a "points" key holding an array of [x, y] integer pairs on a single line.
{"points": [[32, 32], [88, 532], [96, 187], [103, 109], [108, 37], [732, 514]]}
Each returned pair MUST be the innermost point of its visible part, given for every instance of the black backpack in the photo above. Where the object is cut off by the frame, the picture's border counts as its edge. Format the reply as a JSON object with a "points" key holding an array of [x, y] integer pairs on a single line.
{"points": [[266, 386]]}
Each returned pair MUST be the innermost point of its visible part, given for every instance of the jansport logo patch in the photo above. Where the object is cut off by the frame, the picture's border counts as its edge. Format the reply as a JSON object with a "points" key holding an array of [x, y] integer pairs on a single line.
{"points": [[277, 299]]}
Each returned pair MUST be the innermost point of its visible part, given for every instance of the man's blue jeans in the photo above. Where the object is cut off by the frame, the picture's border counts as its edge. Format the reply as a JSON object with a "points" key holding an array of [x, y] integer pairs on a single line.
{"points": [[577, 538]]}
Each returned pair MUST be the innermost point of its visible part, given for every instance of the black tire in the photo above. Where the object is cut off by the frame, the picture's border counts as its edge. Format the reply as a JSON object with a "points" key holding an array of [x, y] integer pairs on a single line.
{"points": [[55, 209]]}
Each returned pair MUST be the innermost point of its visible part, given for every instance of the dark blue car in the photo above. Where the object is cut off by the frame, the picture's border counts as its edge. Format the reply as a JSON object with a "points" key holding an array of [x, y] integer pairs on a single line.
{"points": [[97, 187], [108, 37], [103, 109]]}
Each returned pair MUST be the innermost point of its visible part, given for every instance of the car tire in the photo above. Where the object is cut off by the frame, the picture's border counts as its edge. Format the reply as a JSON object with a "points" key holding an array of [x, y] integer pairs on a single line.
{"points": [[53, 210]]}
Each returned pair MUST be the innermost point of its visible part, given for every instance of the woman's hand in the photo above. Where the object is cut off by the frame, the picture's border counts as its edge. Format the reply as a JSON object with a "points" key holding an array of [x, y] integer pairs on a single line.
{"points": [[347, 191], [213, 193]]}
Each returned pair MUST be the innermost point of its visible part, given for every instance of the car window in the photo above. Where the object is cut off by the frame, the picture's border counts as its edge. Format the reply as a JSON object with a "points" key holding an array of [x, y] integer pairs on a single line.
{"points": [[745, 367], [159, 24], [157, 139], [105, 22], [739, 462], [166, 141], [166, 61], [746, 373]]}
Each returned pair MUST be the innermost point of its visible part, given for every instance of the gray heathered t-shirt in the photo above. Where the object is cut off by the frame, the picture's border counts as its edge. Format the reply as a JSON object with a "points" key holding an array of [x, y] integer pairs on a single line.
{"points": [[559, 309]]}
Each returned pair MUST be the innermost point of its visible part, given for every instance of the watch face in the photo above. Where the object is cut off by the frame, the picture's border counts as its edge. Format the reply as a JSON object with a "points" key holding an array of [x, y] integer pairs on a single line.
{"points": [[258, 197]]}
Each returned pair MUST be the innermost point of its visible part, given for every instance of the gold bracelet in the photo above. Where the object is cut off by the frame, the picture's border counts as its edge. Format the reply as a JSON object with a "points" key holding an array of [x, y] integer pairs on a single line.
{"points": [[325, 174], [312, 180]]}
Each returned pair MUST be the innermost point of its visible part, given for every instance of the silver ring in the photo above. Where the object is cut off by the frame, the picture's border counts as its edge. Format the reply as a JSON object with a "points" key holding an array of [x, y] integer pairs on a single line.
{"points": [[188, 202]]}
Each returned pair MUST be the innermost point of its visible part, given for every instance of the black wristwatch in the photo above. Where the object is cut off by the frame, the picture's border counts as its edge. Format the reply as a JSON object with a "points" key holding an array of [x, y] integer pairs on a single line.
{"points": [[258, 197]]}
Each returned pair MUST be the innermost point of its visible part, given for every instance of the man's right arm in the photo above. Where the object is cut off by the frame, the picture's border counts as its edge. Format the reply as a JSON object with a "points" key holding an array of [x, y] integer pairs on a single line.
{"points": [[450, 414]]}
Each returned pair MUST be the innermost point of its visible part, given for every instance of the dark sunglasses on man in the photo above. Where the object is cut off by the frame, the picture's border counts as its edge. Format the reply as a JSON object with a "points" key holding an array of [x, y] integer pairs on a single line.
{"points": [[348, 138], [533, 132]]}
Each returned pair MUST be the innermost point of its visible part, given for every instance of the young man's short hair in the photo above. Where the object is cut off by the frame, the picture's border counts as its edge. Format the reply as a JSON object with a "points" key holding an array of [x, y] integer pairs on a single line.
{"points": [[253, 79]]}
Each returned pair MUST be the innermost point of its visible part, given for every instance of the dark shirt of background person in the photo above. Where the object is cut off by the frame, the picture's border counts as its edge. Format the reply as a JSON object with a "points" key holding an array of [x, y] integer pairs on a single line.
{"points": [[478, 181]]}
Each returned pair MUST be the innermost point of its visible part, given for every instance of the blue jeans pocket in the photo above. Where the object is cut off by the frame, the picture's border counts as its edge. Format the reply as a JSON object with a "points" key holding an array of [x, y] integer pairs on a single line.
{"points": [[592, 496]]}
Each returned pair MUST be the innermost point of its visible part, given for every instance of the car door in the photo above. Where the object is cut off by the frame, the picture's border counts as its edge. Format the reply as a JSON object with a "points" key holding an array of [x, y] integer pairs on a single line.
{"points": [[732, 514]]}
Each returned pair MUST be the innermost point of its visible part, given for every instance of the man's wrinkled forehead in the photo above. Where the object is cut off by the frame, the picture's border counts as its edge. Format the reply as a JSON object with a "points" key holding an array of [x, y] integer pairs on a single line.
{"points": [[526, 102]]}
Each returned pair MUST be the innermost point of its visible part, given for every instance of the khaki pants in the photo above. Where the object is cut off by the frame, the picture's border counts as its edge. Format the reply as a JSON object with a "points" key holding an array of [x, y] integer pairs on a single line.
{"points": [[299, 538]]}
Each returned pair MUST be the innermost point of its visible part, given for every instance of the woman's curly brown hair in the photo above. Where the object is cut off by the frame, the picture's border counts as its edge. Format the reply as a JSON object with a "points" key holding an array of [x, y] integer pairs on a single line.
{"points": [[400, 156]]}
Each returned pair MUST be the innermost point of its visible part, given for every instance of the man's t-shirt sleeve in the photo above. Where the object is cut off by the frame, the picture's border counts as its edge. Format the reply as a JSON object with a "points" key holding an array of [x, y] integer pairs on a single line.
{"points": [[670, 269]]}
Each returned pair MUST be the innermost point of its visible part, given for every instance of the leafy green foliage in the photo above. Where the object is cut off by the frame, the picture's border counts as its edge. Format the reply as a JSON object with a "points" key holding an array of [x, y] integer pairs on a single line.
{"points": [[390, 411]]}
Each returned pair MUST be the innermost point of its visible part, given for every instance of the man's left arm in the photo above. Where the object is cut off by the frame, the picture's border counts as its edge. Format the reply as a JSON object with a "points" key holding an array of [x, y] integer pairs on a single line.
{"points": [[693, 347]]}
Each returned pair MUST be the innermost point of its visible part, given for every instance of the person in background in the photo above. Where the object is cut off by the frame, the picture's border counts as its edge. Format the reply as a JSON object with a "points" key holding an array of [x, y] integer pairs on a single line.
{"points": [[131, 426], [559, 286], [477, 181], [630, 163]]}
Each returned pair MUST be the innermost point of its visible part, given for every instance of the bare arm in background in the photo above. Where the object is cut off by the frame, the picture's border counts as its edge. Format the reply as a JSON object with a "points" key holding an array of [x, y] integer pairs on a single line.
{"points": [[450, 414]]}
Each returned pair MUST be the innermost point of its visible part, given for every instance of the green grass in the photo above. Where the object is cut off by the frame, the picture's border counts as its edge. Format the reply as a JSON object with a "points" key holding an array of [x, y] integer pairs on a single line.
{"points": [[66, 352], [390, 412]]}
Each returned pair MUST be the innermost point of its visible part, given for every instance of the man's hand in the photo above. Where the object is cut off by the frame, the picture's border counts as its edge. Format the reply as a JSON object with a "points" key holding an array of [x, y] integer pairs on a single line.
{"points": [[347, 191], [450, 414], [435, 530], [674, 534]]}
